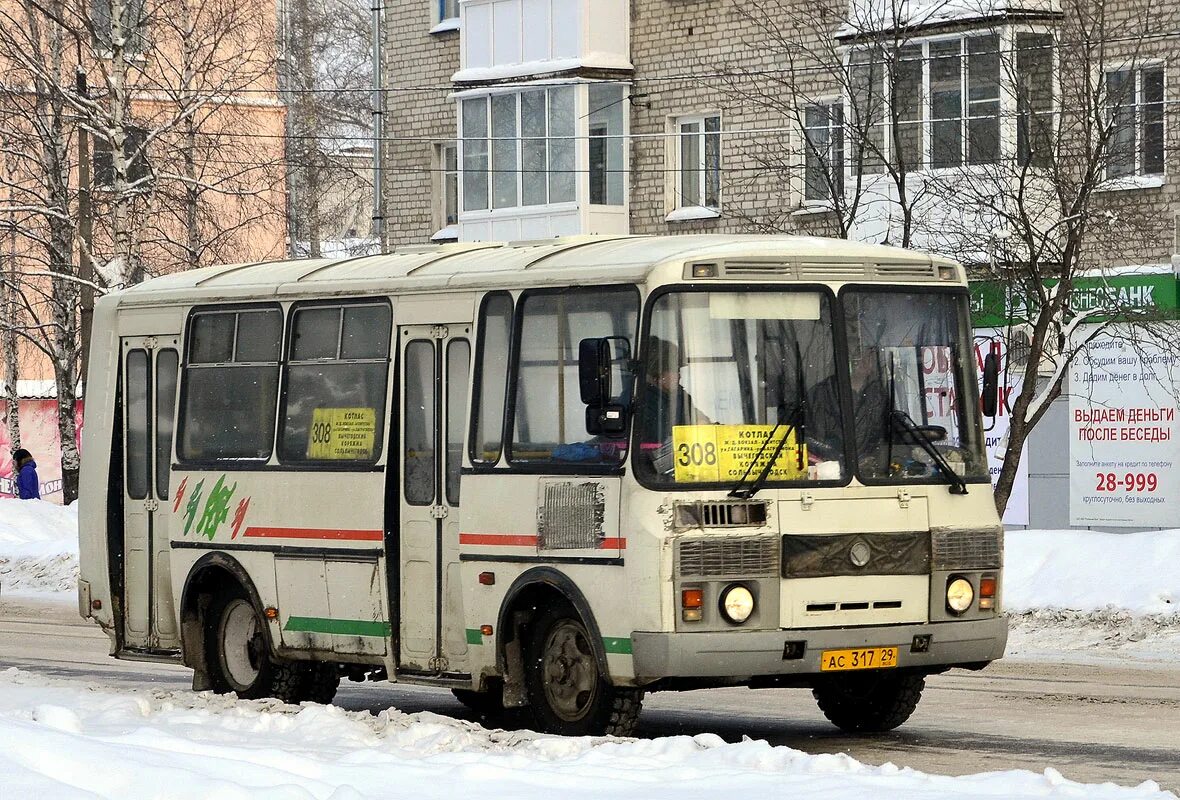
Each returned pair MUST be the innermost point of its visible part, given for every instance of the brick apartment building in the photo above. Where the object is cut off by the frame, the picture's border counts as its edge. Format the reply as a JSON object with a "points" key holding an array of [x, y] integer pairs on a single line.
{"points": [[909, 123]]}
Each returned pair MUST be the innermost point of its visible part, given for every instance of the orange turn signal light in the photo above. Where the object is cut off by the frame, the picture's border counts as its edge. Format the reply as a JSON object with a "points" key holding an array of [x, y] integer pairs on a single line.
{"points": [[692, 598], [271, 612], [487, 578], [987, 593], [485, 630]]}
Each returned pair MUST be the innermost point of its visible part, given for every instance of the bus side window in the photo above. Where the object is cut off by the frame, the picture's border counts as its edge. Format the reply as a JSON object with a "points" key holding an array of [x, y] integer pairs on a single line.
{"points": [[334, 383], [491, 383], [549, 419], [231, 383]]}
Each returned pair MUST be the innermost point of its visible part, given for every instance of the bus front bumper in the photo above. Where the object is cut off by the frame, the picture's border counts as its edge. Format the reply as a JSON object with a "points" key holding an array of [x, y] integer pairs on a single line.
{"points": [[741, 654]]}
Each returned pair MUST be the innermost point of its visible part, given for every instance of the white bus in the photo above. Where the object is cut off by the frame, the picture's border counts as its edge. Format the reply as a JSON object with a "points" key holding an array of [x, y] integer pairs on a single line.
{"points": [[550, 476]]}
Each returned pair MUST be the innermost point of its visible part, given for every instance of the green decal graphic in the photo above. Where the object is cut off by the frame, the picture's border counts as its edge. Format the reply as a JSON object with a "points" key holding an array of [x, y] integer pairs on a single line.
{"points": [[620, 645], [216, 509], [474, 636], [190, 510], [346, 627]]}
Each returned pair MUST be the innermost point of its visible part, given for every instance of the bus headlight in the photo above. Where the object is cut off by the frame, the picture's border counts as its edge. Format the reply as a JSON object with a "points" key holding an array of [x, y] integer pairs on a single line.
{"points": [[737, 603], [959, 595]]}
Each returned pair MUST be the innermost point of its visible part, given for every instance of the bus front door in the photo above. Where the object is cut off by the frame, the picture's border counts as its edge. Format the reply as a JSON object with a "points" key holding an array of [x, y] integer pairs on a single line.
{"points": [[435, 362], [150, 365]]}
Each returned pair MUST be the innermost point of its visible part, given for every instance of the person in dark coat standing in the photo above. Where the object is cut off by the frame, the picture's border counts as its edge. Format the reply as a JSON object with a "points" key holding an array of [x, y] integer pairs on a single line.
{"points": [[28, 486]]}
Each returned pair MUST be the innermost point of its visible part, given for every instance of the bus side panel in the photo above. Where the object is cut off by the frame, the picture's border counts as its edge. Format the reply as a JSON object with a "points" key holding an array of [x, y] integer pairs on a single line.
{"points": [[312, 543]]}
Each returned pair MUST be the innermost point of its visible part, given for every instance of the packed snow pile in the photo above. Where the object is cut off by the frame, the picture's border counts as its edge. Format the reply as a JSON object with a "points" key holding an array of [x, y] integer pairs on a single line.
{"points": [[38, 546], [141, 744]]}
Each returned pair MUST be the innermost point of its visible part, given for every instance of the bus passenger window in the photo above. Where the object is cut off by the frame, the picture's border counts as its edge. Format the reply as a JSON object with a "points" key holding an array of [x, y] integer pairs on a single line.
{"points": [[549, 420], [334, 383], [231, 380], [487, 424]]}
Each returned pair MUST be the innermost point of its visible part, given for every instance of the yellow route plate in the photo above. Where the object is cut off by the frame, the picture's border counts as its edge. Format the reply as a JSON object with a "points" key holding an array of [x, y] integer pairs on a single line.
{"points": [[860, 658]]}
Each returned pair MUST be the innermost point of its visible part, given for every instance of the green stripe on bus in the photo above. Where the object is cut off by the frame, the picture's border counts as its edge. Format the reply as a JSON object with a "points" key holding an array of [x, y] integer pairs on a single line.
{"points": [[348, 627], [617, 645], [474, 636]]}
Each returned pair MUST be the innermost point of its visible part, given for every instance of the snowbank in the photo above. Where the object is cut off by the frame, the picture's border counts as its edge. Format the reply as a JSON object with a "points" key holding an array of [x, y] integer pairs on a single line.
{"points": [[1089, 571], [143, 744], [38, 546]]}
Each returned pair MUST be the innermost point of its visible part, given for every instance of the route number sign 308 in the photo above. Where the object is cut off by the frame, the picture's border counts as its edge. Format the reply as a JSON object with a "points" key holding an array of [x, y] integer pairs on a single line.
{"points": [[1129, 482]]}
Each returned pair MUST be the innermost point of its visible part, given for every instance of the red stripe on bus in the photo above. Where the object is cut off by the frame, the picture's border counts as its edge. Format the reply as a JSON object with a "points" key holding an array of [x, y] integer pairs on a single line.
{"points": [[316, 533], [498, 539], [522, 540]]}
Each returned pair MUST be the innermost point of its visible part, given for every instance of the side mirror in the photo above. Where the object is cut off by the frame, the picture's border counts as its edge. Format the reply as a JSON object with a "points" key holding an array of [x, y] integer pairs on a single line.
{"points": [[609, 420], [991, 384], [594, 371]]}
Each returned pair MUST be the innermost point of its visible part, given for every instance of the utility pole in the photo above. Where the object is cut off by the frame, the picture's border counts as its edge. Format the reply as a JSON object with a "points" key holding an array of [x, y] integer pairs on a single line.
{"points": [[85, 229]]}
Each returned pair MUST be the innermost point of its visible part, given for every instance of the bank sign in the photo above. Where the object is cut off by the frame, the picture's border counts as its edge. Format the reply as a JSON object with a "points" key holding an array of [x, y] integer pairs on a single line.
{"points": [[994, 305]]}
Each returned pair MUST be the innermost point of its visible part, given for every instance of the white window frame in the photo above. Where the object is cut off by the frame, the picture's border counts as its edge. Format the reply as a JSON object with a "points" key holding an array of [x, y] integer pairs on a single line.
{"points": [[440, 20], [1138, 178], [551, 140], [840, 167], [444, 178], [1006, 138], [678, 208]]}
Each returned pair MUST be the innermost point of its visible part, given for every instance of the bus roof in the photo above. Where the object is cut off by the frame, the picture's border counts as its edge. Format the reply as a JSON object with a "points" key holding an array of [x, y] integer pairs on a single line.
{"points": [[566, 260]]}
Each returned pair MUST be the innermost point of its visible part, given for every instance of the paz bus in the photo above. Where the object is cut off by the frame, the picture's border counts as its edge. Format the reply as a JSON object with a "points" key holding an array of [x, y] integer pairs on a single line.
{"points": [[550, 476]]}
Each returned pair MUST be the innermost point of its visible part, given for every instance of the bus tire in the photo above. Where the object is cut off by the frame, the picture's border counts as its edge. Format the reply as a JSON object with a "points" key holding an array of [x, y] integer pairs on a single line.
{"points": [[239, 659], [870, 702], [568, 694], [320, 682]]}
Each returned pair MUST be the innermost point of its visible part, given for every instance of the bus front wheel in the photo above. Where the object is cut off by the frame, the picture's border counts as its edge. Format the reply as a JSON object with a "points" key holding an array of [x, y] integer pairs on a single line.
{"points": [[239, 656], [568, 693], [869, 702]]}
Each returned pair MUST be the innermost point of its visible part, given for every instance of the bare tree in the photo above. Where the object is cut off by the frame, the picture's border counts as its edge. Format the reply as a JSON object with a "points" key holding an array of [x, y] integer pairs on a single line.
{"points": [[1008, 177], [327, 77]]}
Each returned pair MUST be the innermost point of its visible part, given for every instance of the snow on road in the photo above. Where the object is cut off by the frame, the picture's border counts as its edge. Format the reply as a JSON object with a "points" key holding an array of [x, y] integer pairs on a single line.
{"points": [[1081, 594], [179, 745]]}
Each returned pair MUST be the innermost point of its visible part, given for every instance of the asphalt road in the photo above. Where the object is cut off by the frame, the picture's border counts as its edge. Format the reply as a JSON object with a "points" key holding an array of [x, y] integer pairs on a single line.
{"points": [[1093, 723]]}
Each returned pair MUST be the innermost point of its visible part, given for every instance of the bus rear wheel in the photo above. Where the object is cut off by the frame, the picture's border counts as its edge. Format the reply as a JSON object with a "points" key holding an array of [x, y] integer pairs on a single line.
{"points": [[239, 658], [568, 694], [869, 702]]}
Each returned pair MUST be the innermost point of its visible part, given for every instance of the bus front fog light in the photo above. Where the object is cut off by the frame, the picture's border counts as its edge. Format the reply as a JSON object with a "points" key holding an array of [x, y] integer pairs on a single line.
{"points": [[737, 603], [959, 595]]}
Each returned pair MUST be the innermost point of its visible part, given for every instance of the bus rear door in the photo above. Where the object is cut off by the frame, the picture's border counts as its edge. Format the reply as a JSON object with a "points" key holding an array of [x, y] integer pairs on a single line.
{"points": [[150, 367], [435, 364]]}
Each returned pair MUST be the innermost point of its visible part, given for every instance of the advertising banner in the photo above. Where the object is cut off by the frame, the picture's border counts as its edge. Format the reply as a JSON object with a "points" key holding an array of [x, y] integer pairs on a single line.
{"points": [[1124, 439], [991, 340], [38, 424]]}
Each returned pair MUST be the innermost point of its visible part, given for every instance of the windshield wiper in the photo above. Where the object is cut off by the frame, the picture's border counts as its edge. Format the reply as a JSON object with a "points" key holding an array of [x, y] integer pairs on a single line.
{"points": [[796, 419], [919, 436]]}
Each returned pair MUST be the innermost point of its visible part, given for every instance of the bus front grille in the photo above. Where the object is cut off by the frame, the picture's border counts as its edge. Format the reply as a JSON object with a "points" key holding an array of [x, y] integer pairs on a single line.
{"points": [[966, 549], [723, 558]]}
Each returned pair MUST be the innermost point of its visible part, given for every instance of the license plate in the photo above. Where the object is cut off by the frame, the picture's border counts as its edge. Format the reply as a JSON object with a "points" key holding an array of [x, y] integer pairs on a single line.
{"points": [[861, 658]]}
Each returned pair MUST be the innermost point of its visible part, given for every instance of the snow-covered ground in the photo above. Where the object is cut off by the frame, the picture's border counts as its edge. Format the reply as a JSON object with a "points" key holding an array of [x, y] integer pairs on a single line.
{"points": [[1074, 596]]}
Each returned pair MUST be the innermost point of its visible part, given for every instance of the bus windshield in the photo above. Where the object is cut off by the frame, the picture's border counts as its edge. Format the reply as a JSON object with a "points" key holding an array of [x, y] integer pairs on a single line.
{"points": [[734, 381], [912, 389], [735, 384]]}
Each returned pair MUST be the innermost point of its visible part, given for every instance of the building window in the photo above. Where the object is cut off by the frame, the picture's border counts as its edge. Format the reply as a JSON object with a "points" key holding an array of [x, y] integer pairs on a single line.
{"points": [[606, 144], [824, 156], [130, 27], [134, 153], [1135, 112], [1034, 98], [528, 159], [698, 168], [944, 98], [446, 9], [448, 195]]}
